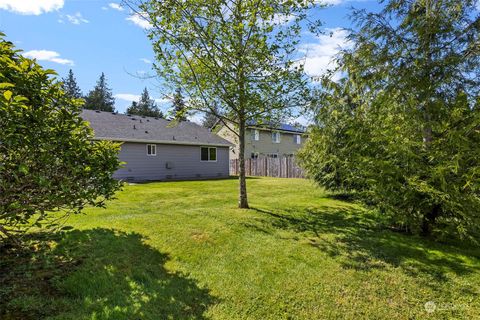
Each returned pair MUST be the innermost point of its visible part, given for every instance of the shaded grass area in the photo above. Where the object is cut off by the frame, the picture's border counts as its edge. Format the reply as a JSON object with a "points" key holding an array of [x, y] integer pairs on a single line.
{"points": [[102, 273], [181, 250]]}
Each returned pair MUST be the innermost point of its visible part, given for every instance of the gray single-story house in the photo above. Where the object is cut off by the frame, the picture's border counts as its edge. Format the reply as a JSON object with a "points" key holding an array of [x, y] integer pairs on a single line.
{"points": [[156, 149]]}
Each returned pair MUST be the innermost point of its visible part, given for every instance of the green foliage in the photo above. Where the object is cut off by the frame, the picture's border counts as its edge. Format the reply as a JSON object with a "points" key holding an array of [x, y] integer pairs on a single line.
{"points": [[100, 98], [401, 129], [179, 108], [48, 161], [210, 119], [236, 55], [70, 86], [145, 107]]}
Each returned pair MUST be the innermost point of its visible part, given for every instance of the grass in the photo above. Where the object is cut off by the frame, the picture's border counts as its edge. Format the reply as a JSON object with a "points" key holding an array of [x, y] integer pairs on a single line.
{"points": [[181, 250]]}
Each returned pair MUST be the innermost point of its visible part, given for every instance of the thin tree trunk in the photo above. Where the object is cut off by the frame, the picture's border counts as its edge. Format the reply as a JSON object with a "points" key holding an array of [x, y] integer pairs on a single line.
{"points": [[242, 200], [429, 220]]}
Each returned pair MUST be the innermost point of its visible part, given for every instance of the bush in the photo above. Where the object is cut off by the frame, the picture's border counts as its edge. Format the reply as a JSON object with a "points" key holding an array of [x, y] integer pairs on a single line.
{"points": [[48, 160]]}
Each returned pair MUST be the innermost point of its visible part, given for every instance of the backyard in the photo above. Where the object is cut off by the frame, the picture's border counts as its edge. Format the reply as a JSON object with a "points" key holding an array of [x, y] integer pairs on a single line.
{"points": [[182, 250]]}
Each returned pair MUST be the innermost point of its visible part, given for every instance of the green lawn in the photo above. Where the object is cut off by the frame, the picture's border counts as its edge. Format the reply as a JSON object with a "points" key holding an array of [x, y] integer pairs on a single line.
{"points": [[181, 250]]}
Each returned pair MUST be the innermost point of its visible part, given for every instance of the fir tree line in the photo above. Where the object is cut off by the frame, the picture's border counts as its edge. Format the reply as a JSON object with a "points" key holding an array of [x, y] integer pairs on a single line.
{"points": [[101, 98]]}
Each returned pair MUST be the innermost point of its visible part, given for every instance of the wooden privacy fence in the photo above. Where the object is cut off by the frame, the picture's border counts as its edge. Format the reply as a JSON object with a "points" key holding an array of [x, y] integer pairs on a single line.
{"points": [[283, 167]]}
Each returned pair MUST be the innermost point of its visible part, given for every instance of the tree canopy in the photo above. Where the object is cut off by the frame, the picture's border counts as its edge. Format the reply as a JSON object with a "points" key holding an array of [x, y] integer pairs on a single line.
{"points": [[101, 97], [179, 108], [401, 128], [210, 119], [145, 106], [70, 86], [237, 55], [48, 161]]}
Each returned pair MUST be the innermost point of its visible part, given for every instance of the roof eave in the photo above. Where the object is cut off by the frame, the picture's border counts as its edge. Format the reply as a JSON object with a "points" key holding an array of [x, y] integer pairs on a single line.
{"points": [[273, 129], [188, 143]]}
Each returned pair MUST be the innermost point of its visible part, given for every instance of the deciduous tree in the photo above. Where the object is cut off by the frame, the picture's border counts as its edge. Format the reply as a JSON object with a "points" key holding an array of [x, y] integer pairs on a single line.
{"points": [[48, 161], [210, 119], [238, 55]]}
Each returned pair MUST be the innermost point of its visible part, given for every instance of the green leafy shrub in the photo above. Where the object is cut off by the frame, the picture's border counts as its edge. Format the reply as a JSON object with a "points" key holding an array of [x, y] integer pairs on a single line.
{"points": [[48, 161]]}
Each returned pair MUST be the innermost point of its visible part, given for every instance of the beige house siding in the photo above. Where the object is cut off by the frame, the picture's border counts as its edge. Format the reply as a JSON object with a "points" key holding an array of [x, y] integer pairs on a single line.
{"points": [[265, 145], [228, 135]]}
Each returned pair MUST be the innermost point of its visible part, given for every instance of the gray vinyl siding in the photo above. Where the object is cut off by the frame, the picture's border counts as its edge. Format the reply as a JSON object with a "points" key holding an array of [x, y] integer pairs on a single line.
{"points": [[185, 161]]}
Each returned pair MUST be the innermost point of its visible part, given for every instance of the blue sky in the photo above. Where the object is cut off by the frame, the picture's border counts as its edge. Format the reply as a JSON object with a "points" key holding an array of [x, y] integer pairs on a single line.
{"points": [[91, 37]]}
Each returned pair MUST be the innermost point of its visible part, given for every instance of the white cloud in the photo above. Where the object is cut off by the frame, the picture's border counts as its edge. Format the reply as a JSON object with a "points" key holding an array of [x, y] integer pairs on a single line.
{"points": [[163, 100], [139, 20], [31, 7], [116, 6], [127, 96], [319, 55], [76, 18], [302, 120], [283, 19], [135, 97], [330, 2], [337, 2], [46, 55], [196, 117], [146, 60]]}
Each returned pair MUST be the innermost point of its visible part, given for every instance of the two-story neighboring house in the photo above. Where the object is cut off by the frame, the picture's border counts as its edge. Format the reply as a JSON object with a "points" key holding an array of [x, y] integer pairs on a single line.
{"points": [[264, 141]]}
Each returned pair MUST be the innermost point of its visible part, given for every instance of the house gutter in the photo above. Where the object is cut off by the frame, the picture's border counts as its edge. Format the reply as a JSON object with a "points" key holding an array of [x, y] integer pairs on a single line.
{"points": [[277, 130], [184, 143]]}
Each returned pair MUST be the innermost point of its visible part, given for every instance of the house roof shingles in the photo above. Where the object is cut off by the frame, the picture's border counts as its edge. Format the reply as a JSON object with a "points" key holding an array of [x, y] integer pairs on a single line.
{"points": [[126, 128]]}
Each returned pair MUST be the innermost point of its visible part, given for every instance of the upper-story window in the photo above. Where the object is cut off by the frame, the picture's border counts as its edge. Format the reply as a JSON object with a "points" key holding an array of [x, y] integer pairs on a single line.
{"points": [[255, 135], [297, 139], [276, 137], [151, 149]]}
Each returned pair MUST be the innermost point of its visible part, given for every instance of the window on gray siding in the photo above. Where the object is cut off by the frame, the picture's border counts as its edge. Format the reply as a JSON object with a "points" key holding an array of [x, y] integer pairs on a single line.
{"points": [[151, 149], [276, 137], [297, 139], [255, 135], [208, 154]]}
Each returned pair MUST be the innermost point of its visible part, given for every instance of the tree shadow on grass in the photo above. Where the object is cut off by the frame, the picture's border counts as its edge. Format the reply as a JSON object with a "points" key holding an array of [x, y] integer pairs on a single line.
{"points": [[360, 241], [100, 274]]}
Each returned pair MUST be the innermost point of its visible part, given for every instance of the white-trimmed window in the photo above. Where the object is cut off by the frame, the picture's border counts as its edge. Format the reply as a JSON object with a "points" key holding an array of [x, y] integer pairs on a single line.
{"points": [[151, 149], [297, 139], [255, 135], [276, 137], [208, 154]]}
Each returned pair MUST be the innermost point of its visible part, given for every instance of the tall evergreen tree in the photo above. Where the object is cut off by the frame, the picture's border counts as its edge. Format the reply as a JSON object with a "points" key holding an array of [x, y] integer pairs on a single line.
{"points": [[210, 118], [100, 98], [401, 130], [145, 106], [179, 111], [70, 86]]}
